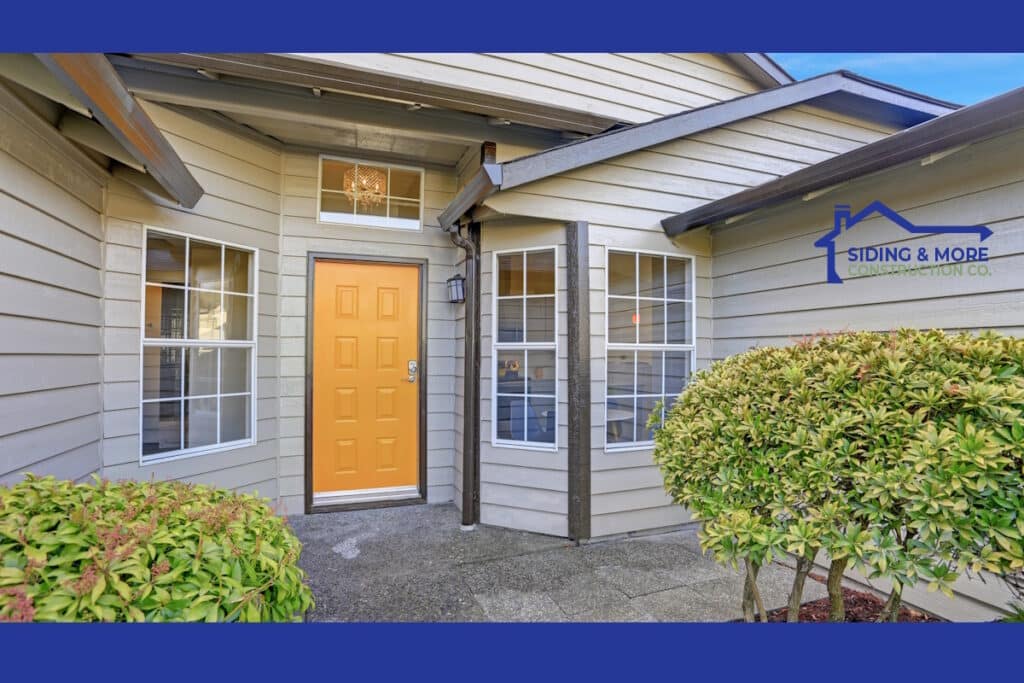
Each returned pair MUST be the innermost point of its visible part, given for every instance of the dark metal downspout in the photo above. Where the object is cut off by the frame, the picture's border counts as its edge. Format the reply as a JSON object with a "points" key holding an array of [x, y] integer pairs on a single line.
{"points": [[474, 235], [470, 377]]}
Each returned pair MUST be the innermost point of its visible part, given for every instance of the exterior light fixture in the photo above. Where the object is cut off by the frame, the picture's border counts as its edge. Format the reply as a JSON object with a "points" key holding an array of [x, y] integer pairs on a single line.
{"points": [[457, 289]]}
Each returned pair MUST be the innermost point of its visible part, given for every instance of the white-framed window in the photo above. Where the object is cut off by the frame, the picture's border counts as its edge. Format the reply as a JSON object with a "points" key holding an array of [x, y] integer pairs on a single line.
{"points": [[525, 363], [198, 355], [650, 341], [369, 194]]}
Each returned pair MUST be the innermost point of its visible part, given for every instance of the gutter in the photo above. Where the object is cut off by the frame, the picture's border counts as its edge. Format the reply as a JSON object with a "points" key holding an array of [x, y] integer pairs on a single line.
{"points": [[470, 376]]}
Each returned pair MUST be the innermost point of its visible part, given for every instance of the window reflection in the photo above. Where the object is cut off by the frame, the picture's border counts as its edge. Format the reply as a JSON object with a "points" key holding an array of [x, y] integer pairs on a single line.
{"points": [[196, 395], [650, 312], [525, 378]]}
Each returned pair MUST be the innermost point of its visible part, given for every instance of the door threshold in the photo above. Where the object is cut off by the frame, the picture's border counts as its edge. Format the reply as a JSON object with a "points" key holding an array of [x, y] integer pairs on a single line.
{"points": [[366, 498]]}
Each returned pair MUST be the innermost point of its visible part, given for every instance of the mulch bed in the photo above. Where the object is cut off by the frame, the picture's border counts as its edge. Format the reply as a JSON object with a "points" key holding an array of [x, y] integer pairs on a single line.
{"points": [[860, 607]]}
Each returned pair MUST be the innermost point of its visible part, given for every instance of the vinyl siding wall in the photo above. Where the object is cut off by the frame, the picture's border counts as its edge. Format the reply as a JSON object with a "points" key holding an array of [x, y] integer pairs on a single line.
{"points": [[51, 312], [627, 491], [241, 204], [769, 280], [624, 200], [624, 87], [522, 488], [302, 234]]}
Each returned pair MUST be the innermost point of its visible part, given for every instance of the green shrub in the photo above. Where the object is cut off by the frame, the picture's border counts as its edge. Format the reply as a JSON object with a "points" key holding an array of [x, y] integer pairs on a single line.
{"points": [[900, 453], [144, 551]]}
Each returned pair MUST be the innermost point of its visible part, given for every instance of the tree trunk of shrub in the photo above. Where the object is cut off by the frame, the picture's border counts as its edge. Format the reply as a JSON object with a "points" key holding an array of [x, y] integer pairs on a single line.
{"points": [[891, 610], [837, 610], [796, 595], [748, 596], [751, 595]]}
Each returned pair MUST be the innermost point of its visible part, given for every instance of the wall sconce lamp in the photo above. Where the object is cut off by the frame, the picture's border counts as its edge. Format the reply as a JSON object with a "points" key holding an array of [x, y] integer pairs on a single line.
{"points": [[457, 289]]}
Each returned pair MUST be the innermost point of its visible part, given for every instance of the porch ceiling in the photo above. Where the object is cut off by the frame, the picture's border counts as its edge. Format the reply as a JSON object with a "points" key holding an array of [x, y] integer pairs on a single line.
{"points": [[310, 114], [355, 138]]}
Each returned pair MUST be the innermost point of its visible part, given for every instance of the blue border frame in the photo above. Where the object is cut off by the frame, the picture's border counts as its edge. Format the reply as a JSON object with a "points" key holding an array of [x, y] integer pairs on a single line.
{"points": [[527, 25], [516, 652]]}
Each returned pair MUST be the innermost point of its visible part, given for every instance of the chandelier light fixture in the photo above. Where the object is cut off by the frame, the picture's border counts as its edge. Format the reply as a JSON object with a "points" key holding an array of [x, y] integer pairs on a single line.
{"points": [[367, 184]]}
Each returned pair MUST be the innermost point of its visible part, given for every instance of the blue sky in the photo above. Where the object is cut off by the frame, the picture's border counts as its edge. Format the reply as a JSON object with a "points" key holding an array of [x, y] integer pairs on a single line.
{"points": [[957, 77]]}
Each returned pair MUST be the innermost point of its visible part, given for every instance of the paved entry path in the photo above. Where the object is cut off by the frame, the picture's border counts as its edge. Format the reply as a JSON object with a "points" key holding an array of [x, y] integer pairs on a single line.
{"points": [[413, 563]]}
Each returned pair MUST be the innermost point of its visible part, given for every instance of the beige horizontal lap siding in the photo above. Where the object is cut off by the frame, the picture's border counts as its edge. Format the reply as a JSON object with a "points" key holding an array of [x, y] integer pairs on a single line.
{"points": [[302, 234], [627, 493], [50, 311], [522, 488], [241, 204], [622, 87], [769, 278]]}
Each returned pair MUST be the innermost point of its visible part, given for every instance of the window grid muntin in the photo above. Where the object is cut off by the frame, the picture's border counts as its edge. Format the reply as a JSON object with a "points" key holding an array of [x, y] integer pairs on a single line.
{"points": [[186, 342], [637, 346], [524, 346]]}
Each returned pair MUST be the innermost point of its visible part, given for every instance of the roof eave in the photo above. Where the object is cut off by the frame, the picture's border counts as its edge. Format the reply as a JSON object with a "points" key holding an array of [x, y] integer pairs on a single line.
{"points": [[760, 67], [601, 147], [968, 125]]}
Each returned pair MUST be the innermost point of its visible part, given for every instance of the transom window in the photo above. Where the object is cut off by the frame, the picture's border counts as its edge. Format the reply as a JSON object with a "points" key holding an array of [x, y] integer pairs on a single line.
{"points": [[198, 346], [525, 350], [650, 341], [369, 194]]}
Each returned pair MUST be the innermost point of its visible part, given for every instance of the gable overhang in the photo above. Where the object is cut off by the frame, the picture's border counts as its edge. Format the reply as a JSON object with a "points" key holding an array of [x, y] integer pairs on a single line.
{"points": [[95, 84], [966, 126], [879, 102], [759, 67]]}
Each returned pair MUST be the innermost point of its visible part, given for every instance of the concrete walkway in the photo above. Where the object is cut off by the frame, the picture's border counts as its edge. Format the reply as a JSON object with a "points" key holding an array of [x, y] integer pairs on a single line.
{"points": [[414, 564]]}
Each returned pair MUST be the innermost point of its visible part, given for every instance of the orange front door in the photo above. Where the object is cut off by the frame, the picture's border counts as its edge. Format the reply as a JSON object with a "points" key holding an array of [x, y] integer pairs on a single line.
{"points": [[365, 398]]}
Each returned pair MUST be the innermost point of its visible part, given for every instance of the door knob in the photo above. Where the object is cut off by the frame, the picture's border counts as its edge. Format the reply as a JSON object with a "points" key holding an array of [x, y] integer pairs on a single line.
{"points": [[413, 367]]}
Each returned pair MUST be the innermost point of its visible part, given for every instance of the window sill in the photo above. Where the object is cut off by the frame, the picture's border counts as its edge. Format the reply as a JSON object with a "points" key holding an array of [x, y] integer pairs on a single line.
{"points": [[525, 446], [158, 458], [369, 222], [629, 448]]}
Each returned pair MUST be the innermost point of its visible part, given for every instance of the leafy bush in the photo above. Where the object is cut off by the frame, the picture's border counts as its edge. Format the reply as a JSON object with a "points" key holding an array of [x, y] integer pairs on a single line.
{"points": [[900, 453], [144, 551]]}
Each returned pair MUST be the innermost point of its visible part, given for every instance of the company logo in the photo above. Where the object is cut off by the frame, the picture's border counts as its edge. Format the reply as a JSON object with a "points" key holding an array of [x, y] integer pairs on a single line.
{"points": [[904, 260]]}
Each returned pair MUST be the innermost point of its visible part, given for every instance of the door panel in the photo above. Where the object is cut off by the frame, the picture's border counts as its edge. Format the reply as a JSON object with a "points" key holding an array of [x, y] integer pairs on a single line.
{"points": [[365, 408]]}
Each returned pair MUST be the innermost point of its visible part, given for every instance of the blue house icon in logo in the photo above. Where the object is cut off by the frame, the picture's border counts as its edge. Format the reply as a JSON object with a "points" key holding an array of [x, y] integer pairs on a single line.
{"points": [[844, 220]]}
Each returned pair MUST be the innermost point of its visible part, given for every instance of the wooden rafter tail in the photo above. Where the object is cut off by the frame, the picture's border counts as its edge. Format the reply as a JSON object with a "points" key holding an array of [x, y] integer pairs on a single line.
{"points": [[92, 79]]}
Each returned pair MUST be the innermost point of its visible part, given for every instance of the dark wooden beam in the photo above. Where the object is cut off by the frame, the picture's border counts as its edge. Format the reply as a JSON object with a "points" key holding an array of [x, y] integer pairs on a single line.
{"points": [[484, 183], [93, 81], [577, 248]]}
